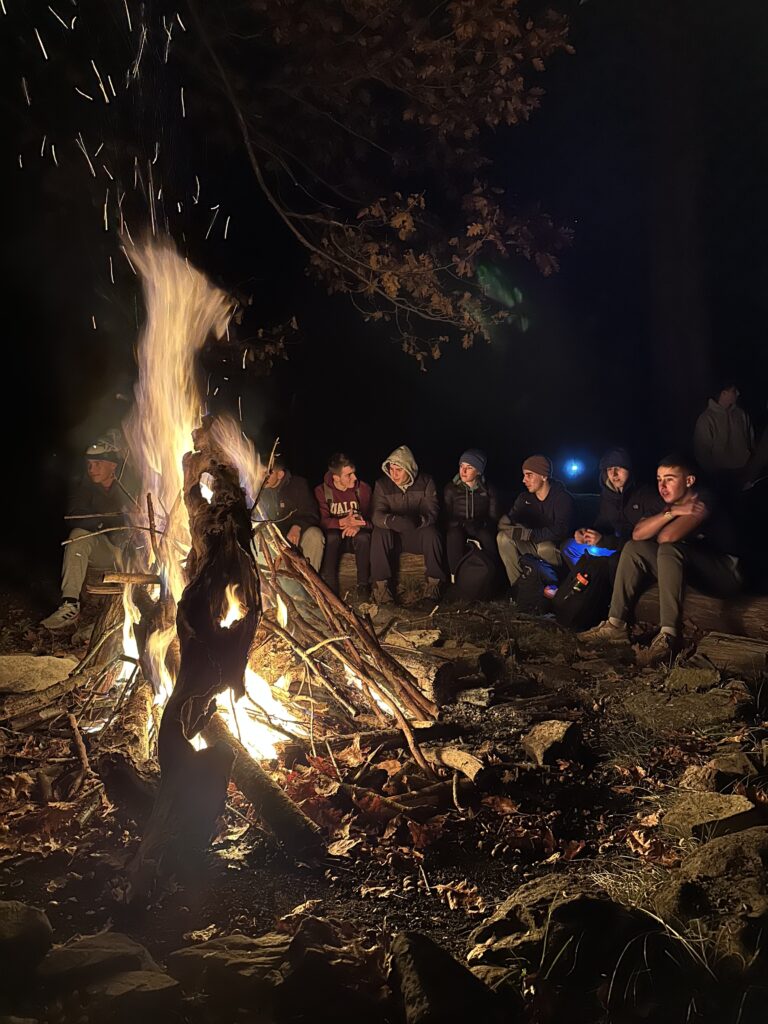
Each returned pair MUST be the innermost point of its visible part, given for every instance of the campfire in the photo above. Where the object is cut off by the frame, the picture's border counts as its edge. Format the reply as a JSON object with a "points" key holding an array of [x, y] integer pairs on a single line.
{"points": [[219, 646]]}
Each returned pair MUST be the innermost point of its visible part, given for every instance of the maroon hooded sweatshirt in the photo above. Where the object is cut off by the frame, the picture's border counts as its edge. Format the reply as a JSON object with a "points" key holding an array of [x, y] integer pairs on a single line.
{"points": [[335, 504]]}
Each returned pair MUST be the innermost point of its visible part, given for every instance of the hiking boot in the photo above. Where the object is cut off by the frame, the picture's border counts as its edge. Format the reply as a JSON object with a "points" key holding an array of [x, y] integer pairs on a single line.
{"points": [[662, 650], [433, 590], [65, 615], [381, 593], [605, 633]]}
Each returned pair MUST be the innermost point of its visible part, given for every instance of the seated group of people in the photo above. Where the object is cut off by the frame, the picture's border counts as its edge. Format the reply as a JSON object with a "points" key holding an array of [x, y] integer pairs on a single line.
{"points": [[672, 533]]}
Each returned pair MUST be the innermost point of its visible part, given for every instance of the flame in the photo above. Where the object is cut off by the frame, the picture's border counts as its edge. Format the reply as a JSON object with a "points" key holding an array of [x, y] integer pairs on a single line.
{"points": [[234, 609], [182, 309], [130, 647], [227, 435]]}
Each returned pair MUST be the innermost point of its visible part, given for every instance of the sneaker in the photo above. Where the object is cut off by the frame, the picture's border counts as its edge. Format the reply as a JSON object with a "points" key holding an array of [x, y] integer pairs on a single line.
{"points": [[381, 593], [65, 615], [662, 650], [433, 590], [605, 633]]}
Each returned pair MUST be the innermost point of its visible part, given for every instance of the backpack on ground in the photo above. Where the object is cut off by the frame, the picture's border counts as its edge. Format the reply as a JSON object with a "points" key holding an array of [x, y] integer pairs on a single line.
{"points": [[477, 576], [537, 574], [582, 599]]}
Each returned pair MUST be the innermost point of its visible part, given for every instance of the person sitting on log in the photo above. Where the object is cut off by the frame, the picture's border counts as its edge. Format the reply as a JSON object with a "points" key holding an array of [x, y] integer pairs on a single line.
{"points": [[623, 503], [97, 504], [471, 508], [688, 541], [345, 509], [287, 501], [538, 522], [405, 509]]}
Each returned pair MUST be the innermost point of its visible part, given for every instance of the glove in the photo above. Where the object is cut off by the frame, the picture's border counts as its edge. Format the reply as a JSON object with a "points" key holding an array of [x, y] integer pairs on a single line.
{"points": [[399, 523]]}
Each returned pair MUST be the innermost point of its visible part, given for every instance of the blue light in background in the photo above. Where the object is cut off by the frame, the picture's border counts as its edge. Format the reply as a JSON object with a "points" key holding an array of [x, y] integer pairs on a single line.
{"points": [[573, 468]]}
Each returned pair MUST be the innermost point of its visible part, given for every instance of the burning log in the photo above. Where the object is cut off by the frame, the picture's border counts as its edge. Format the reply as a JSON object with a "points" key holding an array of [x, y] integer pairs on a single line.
{"points": [[213, 657], [296, 832]]}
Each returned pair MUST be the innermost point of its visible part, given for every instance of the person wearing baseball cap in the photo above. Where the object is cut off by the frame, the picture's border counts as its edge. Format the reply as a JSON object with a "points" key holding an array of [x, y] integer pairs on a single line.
{"points": [[98, 503], [538, 522], [471, 508]]}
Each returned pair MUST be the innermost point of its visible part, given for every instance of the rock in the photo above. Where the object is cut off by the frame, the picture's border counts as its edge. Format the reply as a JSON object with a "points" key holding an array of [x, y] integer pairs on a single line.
{"points": [[723, 887], [553, 741], [664, 713], [691, 680], [565, 931], [436, 989], [719, 774], [707, 815], [25, 937], [29, 673], [231, 966], [93, 957], [124, 996]]}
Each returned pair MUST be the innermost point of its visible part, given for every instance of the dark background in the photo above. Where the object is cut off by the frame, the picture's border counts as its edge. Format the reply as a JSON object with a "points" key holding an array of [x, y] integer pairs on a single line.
{"points": [[651, 143]]}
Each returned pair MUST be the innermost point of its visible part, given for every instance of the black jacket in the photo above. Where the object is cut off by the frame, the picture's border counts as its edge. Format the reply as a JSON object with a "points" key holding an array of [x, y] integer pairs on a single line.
{"points": [[100, 506], [620, 512], [291, 504], [465, 505], [550, 519], [395, 509]]}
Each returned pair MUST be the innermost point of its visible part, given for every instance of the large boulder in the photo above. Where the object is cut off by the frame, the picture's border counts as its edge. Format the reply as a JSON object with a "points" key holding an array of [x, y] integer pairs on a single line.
{"points": [[88, 959], [29, 673], [588, 953], [723, 887], [25, 938]]}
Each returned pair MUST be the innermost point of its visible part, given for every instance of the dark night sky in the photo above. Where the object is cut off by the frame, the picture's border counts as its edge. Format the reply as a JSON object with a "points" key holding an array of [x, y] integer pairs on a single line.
{"points": [[660, 116]]}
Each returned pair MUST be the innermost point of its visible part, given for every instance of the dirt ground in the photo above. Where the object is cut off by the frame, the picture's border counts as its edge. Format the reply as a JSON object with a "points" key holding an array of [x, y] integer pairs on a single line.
{"points": [[598, 815]]}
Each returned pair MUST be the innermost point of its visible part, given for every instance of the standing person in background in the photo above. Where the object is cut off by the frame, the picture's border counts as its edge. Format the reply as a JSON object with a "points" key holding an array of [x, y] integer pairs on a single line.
{"points": [[405, 509], [345, 508], [471, 508], [723, 438]]}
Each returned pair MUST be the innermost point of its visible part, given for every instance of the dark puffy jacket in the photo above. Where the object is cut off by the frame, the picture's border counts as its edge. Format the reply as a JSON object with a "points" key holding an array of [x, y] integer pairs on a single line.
{"points": [[463, 504], [100, 506], [291, 504], [550, 519], [620, 512], [392, 506]]}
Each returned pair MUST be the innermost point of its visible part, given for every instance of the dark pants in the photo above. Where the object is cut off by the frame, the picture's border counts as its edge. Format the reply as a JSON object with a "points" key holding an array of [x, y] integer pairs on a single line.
{"points": [[386, 546], [336, 546], [456, 542], [673, 565]]}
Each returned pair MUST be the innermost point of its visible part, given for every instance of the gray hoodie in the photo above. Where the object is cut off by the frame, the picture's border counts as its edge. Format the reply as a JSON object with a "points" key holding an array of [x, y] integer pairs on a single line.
{"points": [[723, 438]]}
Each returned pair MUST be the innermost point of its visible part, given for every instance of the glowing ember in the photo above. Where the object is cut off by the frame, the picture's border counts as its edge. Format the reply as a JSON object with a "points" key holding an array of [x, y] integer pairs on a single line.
{"points": [[234, 610]]}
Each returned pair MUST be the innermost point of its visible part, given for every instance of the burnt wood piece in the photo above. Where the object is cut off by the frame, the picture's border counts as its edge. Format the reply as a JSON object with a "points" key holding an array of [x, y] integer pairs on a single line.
{"points": [[212, 659], [297, 833]]}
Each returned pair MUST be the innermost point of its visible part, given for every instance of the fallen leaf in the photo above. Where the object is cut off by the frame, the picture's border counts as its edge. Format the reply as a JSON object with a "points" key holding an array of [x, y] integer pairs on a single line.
{"points": [[343, 847], [501, 804]]}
